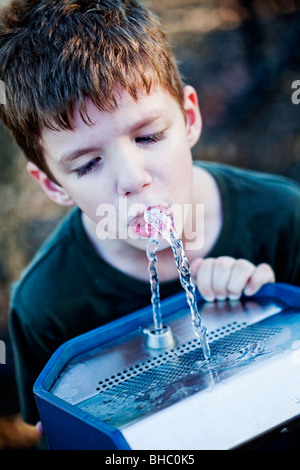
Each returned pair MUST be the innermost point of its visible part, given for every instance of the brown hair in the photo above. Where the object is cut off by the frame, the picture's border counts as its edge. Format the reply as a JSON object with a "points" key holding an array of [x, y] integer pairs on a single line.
{"points": [[56, 53]]}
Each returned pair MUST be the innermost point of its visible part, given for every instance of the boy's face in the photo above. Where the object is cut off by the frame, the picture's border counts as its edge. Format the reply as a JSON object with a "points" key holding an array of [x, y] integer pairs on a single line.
{"points": [[128, 159]]}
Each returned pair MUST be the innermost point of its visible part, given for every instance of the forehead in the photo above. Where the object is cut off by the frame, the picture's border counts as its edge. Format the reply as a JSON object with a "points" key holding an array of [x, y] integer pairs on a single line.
{"points": [[127, 110]]}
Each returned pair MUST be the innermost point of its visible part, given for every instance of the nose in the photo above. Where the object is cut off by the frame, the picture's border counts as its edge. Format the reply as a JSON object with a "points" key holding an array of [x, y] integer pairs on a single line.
{"points": [[131, 174]]}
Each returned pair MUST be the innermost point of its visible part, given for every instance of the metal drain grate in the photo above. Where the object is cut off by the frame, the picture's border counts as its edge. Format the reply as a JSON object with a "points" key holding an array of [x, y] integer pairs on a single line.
{"points": [[178, 362], [157, 383]]}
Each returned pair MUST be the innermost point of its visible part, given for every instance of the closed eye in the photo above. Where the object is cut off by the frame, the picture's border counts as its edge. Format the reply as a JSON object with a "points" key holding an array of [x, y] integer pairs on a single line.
{"points": [[151, 139], [90, 166]]}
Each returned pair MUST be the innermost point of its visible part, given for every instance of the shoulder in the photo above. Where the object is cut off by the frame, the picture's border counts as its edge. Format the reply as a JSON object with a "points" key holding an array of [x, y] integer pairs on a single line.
{"points": [[268, 189], [47, 277], [257, 202]]}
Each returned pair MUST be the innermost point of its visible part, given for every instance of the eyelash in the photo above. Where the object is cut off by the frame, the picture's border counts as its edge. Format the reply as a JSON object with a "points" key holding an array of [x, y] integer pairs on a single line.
{"points": [[87, 168], [151, 139]]}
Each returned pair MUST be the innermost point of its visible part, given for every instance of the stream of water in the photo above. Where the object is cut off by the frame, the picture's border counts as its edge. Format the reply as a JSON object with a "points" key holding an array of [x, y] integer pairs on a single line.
{"points": [[161, 219]]}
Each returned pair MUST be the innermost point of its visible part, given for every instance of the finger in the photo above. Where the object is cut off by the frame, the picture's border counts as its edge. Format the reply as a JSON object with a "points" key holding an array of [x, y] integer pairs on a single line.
{"points": [[263, 274], [204, 276], [39, 428], [195, 265], [241, 272], [220, 276]]}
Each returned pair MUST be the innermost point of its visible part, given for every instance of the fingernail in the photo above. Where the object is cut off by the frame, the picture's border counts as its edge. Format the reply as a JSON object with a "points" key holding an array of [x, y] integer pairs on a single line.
{"points": [[233, 297], [208, 298], [221, 297]]}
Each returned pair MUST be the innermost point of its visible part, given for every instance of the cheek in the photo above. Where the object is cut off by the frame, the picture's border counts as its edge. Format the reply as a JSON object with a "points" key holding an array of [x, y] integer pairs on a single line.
{"points": [[87, 199], [91, 190], [180, 152], [180, 169]]}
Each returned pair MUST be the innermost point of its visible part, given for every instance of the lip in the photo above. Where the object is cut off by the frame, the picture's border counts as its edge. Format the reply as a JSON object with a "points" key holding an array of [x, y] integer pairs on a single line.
{"points": [[138, 225]]}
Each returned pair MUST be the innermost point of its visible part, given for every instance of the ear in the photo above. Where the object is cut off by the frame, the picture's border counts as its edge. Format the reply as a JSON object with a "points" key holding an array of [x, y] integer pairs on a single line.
{"points": [[193, 115], [55, 192]]}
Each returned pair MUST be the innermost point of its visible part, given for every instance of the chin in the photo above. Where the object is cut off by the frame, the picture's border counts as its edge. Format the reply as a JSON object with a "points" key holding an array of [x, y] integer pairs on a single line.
{"points": [[141, 244], [162, 245]]}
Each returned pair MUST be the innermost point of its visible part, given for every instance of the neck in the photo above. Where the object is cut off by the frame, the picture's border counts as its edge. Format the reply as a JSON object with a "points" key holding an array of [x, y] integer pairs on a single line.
{"points": [[204, 222]]}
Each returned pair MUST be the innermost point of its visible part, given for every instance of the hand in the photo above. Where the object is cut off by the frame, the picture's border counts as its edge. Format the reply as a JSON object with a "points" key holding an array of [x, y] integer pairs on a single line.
{"points": [[227, 277]]}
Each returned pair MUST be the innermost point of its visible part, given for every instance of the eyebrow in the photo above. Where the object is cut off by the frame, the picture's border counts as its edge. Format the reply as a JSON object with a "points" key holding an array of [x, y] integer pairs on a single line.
{"points": [[148, 120], [69, 156]]}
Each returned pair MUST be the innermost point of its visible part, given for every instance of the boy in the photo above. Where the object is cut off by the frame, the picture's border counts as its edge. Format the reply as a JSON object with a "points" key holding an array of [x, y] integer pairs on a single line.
{"points": [[95, 101]]}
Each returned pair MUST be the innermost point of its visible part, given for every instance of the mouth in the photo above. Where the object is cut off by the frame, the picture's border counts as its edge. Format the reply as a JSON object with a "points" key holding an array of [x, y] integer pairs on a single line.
{"points": [[139, 226]]}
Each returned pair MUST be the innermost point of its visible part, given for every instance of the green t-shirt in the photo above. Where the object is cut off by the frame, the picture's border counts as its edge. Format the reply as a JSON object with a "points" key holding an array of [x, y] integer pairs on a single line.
{"points": [[68, 289]]}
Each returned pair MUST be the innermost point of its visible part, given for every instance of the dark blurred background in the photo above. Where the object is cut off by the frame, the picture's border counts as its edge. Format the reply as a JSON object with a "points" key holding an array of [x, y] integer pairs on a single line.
{"points": [[242, 57]]}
